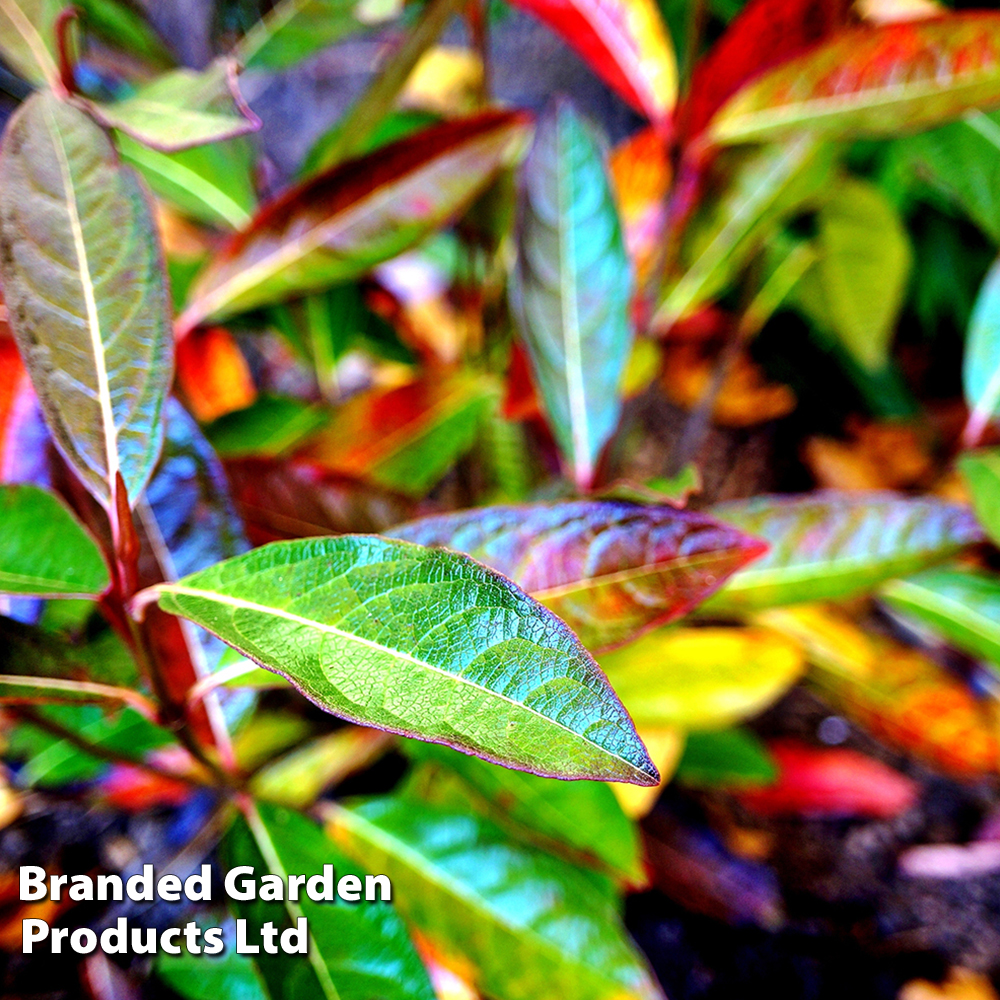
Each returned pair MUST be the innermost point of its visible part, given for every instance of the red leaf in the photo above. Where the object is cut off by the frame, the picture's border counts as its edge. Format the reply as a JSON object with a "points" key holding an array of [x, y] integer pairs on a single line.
{"points": [[764, 33], [212, 375], [623, 41], [822, 781]]}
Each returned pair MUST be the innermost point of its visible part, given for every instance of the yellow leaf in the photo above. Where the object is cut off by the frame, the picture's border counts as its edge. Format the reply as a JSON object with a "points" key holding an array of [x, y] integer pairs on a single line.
{"points": [[665, 746], [446, 80], [702, 678]]}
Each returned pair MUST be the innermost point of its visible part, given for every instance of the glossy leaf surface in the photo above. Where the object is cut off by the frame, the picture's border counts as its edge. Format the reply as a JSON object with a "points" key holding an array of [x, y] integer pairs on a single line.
{"points": [[609, 569], [828, 545], [27, 38], [896, 693], [83, 278], [963, 607], [575, 817], [44, 550], [981, 472], [342, 223], [293, 30], [356, 951], [981, 362], [623, 41], [702, 678], [228, 976], [570, 289], [531, 924], [182, 109], [405, 439], [422, 643], [873, 81]]}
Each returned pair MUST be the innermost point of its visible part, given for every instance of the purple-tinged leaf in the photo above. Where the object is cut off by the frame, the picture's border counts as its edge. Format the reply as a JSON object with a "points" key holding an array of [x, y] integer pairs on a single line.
{"points": [[609, 569]]}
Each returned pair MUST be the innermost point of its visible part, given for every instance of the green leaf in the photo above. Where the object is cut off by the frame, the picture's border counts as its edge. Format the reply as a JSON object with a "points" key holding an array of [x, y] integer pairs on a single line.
{"points": [[181, 109], [44, 550], [125, 28], [829, 545], [531, 925], [27, 38], [31, 651], [981, 364], [51, 761], [764, 187], [212, 183], [293, 30], [339, 225], [963, 607], [863, 268], [82, 274], [609, 569], [702, 678], [981, 472], [406, 438], [581, 816], [729, 758], [228, 976], [270, 426], [423, 643], [962, 161], [872, 81], [570, 290], [356, 952]]}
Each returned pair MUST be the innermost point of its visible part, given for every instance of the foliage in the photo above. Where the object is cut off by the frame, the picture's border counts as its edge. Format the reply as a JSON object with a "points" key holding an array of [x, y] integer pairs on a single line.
{"points": [[380, 432]]}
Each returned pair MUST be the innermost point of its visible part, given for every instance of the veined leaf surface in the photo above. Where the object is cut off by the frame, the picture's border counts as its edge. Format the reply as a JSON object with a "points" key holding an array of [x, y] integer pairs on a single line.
{"points": [[828, 545], [964, 607], [531, 924], [82, 273], [624, 42], [340, 224], [609, 569], [355, 952], [423, 643], [873, 81], [44, 550], [981, 362], [702, 678], [27, 38], [575, 817], [295, 29], [981, 471], [570, 289], [182, 108]]}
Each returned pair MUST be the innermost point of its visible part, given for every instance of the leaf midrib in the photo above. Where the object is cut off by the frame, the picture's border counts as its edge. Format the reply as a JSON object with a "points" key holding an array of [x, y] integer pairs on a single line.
{"points": [[32, 39], [90, 302], [734, 126], [236, 602], [437, 876], [962, 613]]}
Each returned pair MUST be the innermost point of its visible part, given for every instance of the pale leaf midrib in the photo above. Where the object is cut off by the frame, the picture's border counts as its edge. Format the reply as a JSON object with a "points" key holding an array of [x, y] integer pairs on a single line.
{"points": [[235, 602], [804, 112], [90, 302], [32, 38], [975, 621], [433, 873]]}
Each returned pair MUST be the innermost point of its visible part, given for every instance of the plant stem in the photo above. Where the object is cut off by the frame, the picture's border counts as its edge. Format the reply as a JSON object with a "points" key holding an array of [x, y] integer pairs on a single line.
{"points": [[29, 714]]}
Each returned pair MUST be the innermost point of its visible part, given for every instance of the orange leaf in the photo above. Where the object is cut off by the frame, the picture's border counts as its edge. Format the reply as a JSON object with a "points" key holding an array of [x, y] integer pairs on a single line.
{"points": [[212, 374]]}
